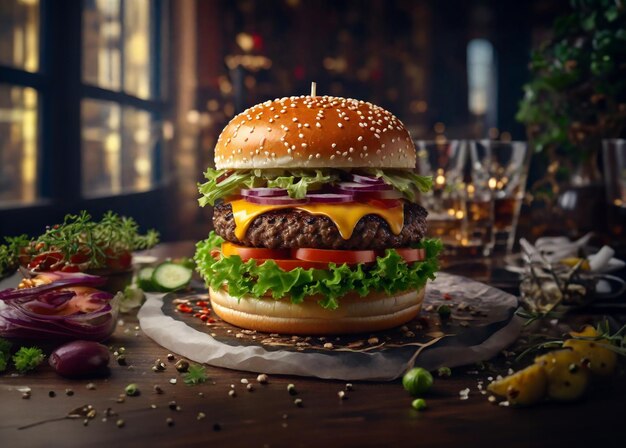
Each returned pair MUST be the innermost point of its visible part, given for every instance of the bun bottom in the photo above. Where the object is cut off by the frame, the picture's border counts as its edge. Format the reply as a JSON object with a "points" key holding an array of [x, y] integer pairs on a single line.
{"points": [[355, 314]]}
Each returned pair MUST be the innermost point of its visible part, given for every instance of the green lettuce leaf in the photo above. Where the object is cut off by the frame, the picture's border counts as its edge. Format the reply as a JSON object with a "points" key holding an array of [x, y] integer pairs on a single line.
{"points": [[299, 182], [405, 181], [390, 274]]}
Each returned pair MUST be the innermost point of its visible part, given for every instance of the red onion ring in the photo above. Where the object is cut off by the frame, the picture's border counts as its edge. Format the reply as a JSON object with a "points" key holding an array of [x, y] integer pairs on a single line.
{"points": [[276, 200], [353, 187], [330, 198], [360, 179], [263, 192]]}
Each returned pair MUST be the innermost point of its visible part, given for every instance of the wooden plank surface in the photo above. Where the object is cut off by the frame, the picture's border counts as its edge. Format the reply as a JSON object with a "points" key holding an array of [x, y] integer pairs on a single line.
{"points": [[374, 414]]}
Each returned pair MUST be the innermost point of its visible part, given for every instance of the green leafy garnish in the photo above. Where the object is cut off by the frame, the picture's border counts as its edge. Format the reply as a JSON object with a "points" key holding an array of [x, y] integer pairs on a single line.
{"points": [[9, 253], [390, 274], [222, 183], [405, 181], [80, 241], [27, 358], [195, 375], [5, 354]]}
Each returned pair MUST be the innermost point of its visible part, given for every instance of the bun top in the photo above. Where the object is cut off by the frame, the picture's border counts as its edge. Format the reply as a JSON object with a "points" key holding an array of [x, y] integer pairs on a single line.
{"points": [[314, 132]]}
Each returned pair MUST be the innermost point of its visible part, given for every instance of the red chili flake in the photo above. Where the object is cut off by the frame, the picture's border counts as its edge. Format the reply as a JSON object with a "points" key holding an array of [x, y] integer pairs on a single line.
{"points": [[184, 308], [197, 315], [201, 303], [204, 317], [205, 311], [447, 296], [211, 320]]}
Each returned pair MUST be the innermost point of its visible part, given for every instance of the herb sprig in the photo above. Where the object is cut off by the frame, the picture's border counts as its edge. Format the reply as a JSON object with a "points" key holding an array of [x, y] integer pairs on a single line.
{"points": [[615, 342], [196, 374], [79, 240]]}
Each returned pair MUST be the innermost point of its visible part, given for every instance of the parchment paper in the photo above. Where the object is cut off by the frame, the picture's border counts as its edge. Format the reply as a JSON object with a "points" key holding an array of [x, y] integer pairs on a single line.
{"points": [[478, 340]]}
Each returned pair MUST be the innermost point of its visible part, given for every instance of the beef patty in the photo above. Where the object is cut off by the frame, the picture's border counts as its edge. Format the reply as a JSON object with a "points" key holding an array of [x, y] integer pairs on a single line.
{"points": [[292, 228]]}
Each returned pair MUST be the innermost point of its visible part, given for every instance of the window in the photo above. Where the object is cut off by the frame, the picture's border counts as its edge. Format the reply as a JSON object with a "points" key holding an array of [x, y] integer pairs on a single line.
{"points": [[19, 50], [82, 102], [481, 80]]}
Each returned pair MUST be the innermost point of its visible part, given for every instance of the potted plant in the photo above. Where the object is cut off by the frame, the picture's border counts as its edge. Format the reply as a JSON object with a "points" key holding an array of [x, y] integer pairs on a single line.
{"points": [[577, 94], [576, 97]]}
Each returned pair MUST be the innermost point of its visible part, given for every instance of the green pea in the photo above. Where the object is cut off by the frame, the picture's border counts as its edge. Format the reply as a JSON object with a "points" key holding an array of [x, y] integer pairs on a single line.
{"points": [[417, 381], [419, 404]]}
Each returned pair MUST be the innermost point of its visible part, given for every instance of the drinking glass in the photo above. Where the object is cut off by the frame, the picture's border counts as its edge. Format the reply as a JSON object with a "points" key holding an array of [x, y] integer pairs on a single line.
{"points": [[498, 172], [444, 161], [614, 152]]}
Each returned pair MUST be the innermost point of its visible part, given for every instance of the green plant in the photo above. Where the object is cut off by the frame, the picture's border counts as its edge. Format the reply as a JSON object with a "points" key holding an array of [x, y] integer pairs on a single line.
{"points": [[577, 94]]}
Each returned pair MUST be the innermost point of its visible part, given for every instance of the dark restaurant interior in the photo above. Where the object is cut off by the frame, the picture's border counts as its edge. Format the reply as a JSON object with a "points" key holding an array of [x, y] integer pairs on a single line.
{"points": [[313, 223], [118, 105]]}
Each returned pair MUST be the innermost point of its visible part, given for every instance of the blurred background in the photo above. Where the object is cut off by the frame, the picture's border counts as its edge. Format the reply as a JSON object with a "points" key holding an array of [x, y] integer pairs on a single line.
{"points": [[117, 104]]}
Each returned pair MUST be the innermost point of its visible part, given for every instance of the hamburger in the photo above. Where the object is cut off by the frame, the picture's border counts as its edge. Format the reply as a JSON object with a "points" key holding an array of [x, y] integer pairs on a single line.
{"points": [[317, 225]]}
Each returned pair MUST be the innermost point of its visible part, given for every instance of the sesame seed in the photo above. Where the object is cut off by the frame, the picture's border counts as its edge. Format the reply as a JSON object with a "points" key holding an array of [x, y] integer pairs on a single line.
{"points": [[360, 138], [340, 125]]}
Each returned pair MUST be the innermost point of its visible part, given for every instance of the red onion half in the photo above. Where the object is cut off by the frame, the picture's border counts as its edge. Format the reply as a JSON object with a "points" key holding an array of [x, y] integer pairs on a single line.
{"points": [[57, 310]]}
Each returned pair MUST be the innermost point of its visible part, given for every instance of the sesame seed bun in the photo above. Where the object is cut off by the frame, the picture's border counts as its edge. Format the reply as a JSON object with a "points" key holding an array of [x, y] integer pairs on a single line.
{"points": [[314, 132], [374, 312]]}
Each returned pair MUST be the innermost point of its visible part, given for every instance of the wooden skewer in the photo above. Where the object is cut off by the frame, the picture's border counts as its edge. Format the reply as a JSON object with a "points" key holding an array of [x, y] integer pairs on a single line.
{"points": [[313, 88]]}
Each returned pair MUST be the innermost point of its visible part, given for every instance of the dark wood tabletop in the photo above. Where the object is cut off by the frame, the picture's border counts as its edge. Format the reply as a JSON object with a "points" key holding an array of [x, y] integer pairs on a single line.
{"points": [[374, 413]]}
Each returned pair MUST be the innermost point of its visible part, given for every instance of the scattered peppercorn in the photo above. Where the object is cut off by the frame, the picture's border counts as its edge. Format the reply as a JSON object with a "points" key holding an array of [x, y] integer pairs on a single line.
{"points": [[349, 386], [172, 405], [170, 357], [69, 392], [291, 388], [120, 423], [217, 427], [342, 395], [26, 395], [169, 421], [121, 360], [52, 394], [298, 402], [182, 365], [157, 389], [90, 386], [262, 378], [232, 393]]}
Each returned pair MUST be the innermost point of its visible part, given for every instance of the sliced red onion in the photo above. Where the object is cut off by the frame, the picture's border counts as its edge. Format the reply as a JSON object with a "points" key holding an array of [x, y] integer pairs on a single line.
{"points": [[263, 192], [330, 198], [353, 187], [360, 179], [276, 200], [383, 194], [58, 279], [37, 313]]}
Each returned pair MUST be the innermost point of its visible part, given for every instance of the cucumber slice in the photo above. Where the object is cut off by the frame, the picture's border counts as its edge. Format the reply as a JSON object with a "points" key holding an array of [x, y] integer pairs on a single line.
{"points": [[170, 276], [144, 279]]}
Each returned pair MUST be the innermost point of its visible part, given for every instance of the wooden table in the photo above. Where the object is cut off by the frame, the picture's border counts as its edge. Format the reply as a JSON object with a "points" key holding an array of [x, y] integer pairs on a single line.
{"points": [[374, 414]]}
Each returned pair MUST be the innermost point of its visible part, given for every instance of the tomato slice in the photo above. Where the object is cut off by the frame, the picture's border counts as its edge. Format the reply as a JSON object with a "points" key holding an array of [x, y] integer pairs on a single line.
{"points": [[335, 256], [289, 265], [257, 253], [411, 255]]}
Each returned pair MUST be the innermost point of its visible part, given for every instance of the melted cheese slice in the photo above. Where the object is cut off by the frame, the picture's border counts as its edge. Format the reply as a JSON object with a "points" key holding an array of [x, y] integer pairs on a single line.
{"points": [[345, 215]]}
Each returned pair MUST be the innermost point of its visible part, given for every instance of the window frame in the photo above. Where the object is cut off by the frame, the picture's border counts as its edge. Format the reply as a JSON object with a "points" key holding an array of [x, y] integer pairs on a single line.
{"points": [[60, 91]]}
